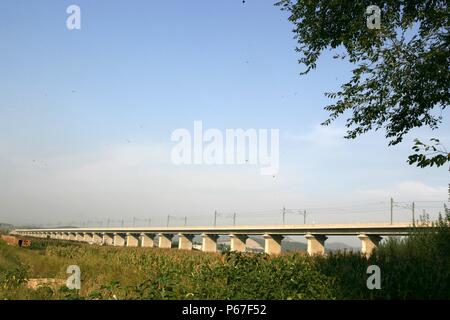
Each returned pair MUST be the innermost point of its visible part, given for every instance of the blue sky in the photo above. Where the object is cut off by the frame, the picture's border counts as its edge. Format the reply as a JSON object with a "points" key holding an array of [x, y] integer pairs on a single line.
{"points": [[86, 117]]}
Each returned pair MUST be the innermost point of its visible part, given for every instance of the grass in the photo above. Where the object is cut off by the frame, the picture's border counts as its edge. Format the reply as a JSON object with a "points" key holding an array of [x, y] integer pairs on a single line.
{"points": [[417, 267]]}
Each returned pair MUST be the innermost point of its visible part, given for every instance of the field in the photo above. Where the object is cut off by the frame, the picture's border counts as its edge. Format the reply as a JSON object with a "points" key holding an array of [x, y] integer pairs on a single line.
{"points": [[417, 267]]}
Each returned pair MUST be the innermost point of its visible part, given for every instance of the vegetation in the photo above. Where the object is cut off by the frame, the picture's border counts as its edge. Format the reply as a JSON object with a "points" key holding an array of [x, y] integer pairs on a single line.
{"points": [[417, 267], [5, 228], [400, 79]]}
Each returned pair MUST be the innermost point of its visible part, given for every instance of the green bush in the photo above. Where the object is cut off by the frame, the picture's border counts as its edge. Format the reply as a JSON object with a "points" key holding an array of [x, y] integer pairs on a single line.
{"points": [[12, 279]]}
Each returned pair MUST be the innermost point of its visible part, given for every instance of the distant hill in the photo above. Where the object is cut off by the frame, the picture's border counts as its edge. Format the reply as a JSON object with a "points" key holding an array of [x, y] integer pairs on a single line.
{"points": [[287, 243], [339, 246], [290, 245]]}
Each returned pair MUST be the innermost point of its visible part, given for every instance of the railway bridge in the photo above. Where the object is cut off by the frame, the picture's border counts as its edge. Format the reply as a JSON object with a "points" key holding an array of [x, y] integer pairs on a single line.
{"points": [[370, 234]]}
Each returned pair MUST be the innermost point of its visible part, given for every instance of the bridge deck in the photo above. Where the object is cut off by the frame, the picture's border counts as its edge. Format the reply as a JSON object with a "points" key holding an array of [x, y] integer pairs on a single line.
{"points": [[399, 228]]}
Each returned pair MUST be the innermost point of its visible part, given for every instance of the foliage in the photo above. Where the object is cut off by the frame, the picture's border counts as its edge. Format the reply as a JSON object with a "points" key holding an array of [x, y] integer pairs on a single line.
{"points": [[401, 77], [11, 279], [436, 154], [257, 276], [416, 267]]}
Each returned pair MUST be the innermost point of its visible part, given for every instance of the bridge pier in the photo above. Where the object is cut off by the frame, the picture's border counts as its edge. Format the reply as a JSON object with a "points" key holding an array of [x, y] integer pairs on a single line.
{"points": [[108, 239], [97, 238], [369, 234], [316, 244], [369, 243], [87, 237], [237, 242], [79, 236], [209, 242], [272, 243], [146, 241], [132, 241], [118, 240], [164, 241], [185, 241]]}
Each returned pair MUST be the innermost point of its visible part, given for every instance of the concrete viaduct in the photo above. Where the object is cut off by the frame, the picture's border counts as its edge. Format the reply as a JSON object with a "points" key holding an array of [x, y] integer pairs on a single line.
{"points": [[370, 235]]}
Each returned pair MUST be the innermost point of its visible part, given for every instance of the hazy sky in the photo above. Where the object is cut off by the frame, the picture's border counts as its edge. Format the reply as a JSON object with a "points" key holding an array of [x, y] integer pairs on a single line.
{"points": [[86, 118]]}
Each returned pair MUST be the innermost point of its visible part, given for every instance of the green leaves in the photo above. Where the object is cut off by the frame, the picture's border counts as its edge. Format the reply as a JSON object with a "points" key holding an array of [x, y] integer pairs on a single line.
{"points": [[258, 276], [436, 154], [401, 72]]}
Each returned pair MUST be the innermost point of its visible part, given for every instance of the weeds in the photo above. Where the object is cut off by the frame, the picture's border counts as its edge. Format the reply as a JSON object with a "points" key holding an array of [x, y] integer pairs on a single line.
{"points": [[416, 267]]}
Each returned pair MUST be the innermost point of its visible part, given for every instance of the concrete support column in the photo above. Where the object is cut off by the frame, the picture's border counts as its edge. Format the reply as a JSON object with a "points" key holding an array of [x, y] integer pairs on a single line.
{"points": [[97, 238], [368, 243], [316, 244], [272, 243], [237, 242], [185, 241], [132, 240], [164, 241], [87, 237], [79, 237], [118, 240], [146, 240], [108, 239], [209, 242]]}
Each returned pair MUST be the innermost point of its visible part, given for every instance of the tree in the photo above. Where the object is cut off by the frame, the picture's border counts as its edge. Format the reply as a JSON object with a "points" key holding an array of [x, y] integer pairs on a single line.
{"points": [[401, 77]]}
